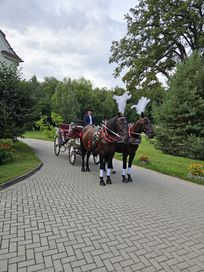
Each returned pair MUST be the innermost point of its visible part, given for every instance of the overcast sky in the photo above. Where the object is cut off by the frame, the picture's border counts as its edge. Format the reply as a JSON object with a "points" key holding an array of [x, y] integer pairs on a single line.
{"points": [[65, 38]]}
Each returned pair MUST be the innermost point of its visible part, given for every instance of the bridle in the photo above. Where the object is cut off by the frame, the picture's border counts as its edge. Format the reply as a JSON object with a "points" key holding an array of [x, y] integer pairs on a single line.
{"points": [[143, 128]]}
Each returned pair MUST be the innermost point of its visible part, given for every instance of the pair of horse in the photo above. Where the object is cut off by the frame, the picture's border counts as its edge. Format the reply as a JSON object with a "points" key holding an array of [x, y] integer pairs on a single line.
{"points": [[114, 136]]}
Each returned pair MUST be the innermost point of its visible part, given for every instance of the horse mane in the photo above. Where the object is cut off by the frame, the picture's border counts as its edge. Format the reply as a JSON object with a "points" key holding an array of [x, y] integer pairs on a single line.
{"points": [[112, 124]]}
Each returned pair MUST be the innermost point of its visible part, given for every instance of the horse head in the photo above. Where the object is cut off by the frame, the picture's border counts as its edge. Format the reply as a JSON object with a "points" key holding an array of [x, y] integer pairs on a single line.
{"points": [[118, 125], [144, 125]]}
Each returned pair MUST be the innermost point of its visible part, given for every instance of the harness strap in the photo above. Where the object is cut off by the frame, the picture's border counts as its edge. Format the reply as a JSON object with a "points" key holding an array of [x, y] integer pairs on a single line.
{"points": [[133, 140], [108, 137]]}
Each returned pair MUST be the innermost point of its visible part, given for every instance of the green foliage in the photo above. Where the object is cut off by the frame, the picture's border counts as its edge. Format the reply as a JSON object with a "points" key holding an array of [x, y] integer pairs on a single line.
{"points": [[49, 86], [48, 126], [159, 34], [180, 119], [16, 104], [42, 93], [64, 101], [73, 97], [56, 119], [5, 150]]}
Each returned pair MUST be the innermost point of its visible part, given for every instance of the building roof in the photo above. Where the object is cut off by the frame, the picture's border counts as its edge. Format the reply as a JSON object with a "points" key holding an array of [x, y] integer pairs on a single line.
{"points": [[11, 54]]}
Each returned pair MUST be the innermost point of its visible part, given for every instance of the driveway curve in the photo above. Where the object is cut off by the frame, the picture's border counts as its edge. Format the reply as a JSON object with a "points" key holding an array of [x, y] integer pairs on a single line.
{"points": [[61, 219]]}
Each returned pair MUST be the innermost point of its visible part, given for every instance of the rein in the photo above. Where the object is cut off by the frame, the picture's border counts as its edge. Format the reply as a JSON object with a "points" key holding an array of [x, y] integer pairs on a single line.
{"points": [[107, 137], [131, 132], [106, 128]]}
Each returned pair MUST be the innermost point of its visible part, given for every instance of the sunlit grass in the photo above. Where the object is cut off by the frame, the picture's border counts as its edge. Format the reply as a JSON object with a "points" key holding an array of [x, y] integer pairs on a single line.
{"points": [[37, 134]]}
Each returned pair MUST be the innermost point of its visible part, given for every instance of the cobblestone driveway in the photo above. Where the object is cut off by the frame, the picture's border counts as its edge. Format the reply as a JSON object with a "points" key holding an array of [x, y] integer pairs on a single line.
{"points": [[62, 220]]}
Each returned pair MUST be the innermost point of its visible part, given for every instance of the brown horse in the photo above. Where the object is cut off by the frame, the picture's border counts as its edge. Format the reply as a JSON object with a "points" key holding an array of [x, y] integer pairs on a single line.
{"points": [[135, 130], [103, 142]]}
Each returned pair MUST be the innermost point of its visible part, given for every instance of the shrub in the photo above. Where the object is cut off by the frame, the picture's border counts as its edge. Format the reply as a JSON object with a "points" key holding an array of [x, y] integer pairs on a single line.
{"points": [[47, 127], [16, 103], [5, 150]]}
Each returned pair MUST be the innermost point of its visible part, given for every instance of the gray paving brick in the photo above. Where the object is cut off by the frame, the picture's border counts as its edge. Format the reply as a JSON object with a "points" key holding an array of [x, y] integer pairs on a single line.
{"points": [[13, 267], [78, 263], [26, 263], [48, 261], [22, 269], [88, 267], [36, 267], [61, 220], [3, 265], [57, 265]]}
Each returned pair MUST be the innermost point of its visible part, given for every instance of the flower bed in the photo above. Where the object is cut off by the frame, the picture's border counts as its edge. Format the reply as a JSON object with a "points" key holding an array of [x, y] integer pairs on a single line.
{"points": [[196, 171], [144, 158]]}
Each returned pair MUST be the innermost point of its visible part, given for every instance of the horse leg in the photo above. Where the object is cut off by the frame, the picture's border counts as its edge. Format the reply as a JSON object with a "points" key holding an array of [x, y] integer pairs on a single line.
{"points": [[109, 167], [124, 179], [88, 154], [131, 157], [83, 154], [102, 167], [112, 170]]}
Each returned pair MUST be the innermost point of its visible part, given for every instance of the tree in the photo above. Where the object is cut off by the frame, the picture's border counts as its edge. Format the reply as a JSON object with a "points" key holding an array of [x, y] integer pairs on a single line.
{"points": [[64, 101], [180, 118], [49, 86], [103, 104], [16, 103], [160, 33]]}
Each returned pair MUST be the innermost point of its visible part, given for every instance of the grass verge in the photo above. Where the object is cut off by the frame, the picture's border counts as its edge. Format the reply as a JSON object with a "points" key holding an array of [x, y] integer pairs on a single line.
{"points": [[24, 160], [163, 163], [37, 134]]}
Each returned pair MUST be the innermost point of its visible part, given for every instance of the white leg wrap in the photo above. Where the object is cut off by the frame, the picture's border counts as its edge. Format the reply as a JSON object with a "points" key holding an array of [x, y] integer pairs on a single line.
{"points": [[108, 173], [123, 172], [101, 173], [129, 170]]}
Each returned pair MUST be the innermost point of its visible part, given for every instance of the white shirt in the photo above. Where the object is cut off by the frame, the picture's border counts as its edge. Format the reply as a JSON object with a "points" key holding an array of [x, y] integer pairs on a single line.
{"points": [[90, 117]]}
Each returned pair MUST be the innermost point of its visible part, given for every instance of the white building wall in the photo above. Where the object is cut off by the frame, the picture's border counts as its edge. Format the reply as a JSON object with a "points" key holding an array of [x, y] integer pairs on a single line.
{"points": [[4, 46]]}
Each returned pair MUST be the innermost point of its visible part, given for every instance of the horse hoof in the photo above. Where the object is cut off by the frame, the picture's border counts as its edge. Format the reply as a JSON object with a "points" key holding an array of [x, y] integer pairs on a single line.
{"points": [[130, 179], [102, 183], [124, 179], [88, 169], [113, 172], [108, 181], [83, 170]]}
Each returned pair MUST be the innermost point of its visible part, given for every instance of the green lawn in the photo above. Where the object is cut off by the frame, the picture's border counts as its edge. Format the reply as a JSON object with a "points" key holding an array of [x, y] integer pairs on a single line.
{"points": [[23, 161], [163, 163], [37, 134]]}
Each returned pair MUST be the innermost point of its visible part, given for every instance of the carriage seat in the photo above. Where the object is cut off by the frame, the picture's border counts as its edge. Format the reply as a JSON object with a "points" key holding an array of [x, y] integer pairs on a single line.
{"points": [[64, 126], [64, 130]]}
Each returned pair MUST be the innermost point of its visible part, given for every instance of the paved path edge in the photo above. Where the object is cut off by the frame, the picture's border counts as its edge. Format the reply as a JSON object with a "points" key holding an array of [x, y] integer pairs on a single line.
{"points": [[20, 178]]}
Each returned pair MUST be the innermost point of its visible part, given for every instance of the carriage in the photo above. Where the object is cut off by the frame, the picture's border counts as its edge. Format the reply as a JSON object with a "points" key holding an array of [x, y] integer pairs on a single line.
{"points": [[68, 139]]}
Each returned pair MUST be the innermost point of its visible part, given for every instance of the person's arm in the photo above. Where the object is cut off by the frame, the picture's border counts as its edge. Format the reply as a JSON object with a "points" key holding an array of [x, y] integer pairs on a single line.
{"points": [[85, 120]]}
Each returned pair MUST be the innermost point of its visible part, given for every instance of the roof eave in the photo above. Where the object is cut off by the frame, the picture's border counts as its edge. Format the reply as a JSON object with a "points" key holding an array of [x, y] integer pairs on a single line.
{"points": [[8, 55]]}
